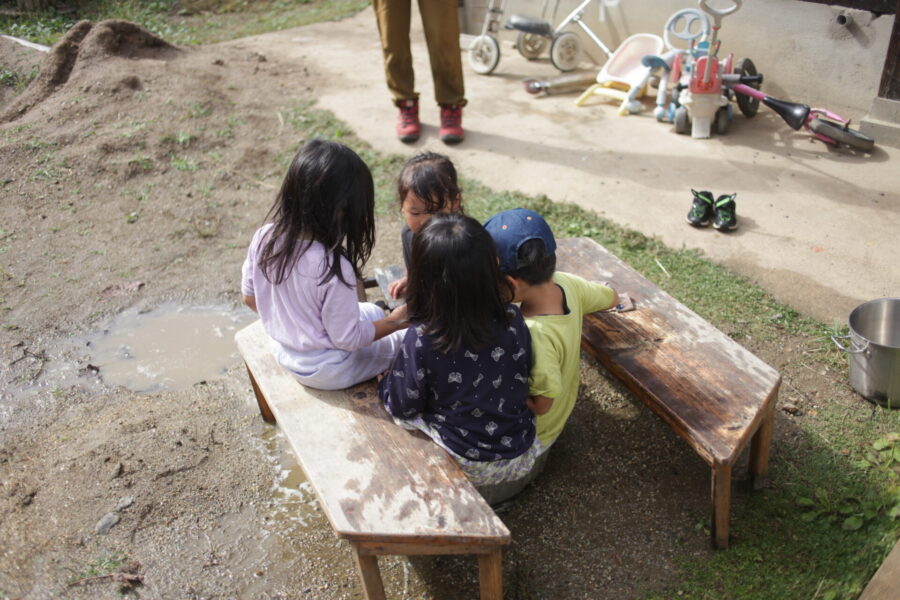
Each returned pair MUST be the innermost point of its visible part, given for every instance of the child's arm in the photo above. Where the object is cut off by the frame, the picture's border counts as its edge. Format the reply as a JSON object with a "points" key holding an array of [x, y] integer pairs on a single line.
{"points": [[540, 405], [251, 302], [593, 294], [391, 323], [403, 388]]}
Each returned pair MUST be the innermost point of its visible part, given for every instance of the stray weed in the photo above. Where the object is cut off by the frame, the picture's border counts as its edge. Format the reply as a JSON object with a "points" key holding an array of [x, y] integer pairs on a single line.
{"points": [[199, 109], [185, 164], [17, 81], [106, 564], [142, 162], [182, 138]]}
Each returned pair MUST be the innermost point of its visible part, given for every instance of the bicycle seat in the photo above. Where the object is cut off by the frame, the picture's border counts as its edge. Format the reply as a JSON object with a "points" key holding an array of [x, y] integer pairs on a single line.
{"points": [[793, 114], [529, 25]]}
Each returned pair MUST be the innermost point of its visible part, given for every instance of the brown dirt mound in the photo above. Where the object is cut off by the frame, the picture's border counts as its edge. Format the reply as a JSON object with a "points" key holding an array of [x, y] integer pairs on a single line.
{"points": [[84, 45]]}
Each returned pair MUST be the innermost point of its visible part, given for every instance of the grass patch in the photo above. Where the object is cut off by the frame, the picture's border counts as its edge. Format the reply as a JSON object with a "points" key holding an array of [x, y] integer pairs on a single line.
{"points": [[180, 138], [184, 21], [16, 80], [832, 512], [185, 164], [102, 565]]}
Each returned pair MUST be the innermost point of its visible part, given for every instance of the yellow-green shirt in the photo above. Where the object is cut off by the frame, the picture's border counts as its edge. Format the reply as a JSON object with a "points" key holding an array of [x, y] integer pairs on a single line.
{"points": [[556, 350]]}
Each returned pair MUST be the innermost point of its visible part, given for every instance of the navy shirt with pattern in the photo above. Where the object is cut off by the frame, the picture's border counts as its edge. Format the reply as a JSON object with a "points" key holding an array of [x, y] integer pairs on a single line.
{"points": [[474, 398]]}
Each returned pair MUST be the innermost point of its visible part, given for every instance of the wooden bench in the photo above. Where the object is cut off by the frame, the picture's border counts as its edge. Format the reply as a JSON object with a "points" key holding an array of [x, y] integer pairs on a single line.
{"points": [[384, 489], [713, 392]]}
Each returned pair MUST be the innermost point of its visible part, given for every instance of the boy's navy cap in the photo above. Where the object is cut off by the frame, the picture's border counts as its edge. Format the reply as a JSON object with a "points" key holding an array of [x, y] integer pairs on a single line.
{"points": [[512, 228]]}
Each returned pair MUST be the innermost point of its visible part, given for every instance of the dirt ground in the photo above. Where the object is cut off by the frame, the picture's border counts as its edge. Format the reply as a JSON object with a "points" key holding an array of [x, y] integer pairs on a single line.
{"points": [[134, 173]]}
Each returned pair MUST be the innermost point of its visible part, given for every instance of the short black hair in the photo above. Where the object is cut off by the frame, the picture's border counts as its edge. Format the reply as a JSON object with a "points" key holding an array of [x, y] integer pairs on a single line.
{"points": [[536, 265], [455, 287]]}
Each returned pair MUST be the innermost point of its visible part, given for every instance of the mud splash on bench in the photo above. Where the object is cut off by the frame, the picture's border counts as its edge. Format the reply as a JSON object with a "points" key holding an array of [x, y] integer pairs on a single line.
{"points": [[168, 348]]}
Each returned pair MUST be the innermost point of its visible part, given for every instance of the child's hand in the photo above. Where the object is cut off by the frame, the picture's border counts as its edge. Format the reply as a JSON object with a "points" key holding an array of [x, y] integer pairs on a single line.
{"points": [[397, 289]]}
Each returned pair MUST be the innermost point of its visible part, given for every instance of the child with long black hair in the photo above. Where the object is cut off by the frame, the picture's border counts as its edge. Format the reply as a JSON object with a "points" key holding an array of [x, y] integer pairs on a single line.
{"points": [[301, 272], [462, 372]]}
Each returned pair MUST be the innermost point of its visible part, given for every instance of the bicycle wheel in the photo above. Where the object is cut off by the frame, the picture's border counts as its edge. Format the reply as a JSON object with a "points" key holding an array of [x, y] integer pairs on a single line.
{"points": [[842, 134], [484, 54], [565, 51], [749, 106], [530, 45]]}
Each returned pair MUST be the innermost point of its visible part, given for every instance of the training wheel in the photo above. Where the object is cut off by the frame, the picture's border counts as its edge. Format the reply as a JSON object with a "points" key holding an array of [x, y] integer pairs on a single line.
{"points": [[565, 51], [484, 54]]}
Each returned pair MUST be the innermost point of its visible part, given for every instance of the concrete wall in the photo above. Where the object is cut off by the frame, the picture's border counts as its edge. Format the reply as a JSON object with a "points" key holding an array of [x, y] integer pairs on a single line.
{"points": [[805, 55]]}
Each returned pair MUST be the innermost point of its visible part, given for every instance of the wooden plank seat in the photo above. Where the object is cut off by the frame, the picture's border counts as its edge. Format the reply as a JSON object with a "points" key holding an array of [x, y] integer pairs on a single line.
{"points": [[713, 392], [384, 489]]}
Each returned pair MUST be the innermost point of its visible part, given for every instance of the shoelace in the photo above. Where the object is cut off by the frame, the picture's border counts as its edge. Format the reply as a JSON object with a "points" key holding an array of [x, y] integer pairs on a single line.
{"points": [[451, 117], [408, 115], [726, 213]]}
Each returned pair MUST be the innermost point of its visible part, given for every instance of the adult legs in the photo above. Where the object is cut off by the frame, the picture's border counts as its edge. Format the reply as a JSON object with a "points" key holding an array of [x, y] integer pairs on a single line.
{"points": [[393, 17], [440, 20]]}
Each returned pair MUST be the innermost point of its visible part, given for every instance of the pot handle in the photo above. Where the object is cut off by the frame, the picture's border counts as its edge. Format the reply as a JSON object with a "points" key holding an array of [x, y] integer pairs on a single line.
{"points": [[854, 349]]}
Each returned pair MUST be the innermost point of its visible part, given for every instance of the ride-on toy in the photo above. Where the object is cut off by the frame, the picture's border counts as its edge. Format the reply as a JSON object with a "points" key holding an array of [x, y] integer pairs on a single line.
{"points": [[705, 98], [823, 124], [534, 34]]}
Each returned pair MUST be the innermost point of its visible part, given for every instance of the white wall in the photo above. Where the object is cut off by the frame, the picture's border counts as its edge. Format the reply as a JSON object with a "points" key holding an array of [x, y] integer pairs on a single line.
{"points": [[803, 53]]}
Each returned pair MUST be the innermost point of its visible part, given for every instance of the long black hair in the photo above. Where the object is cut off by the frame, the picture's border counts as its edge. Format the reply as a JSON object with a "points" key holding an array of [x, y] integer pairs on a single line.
{"points": [[431, 177], [455, 287], [328, 197]]}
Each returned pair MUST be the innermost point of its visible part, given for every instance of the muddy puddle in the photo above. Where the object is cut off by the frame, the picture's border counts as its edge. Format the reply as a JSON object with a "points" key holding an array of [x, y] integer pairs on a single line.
{"points": [[168, 348]]}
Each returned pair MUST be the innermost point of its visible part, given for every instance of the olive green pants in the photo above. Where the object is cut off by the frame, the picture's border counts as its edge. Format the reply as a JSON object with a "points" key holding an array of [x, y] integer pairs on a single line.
{"points": [[441, 23]]}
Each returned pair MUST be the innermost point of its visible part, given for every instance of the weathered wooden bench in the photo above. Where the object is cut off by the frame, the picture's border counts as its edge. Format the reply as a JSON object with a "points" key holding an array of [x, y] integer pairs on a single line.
{"points": [[713, 392], [384, 489]]}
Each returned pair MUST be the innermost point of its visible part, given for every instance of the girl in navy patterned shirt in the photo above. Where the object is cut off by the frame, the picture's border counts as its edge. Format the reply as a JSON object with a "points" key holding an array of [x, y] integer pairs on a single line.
{"points": [[461, 375]]}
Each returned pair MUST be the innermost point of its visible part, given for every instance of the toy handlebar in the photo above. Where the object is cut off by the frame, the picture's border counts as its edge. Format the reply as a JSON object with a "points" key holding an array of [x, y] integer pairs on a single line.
{"points": [[718, 13]]}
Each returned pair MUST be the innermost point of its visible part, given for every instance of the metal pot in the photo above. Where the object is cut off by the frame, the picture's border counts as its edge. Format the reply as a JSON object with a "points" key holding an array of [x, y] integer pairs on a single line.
{"points": [[875, 350]]}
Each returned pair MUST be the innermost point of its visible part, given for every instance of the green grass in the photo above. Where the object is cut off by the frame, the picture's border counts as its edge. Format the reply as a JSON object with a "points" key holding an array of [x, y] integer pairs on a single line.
{"points": [[16, 80], [186, 21], [102, 565], [831, 512]]}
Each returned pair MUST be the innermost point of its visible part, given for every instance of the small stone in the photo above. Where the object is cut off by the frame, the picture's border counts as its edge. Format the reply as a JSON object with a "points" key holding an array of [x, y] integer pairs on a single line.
{"points": [[124, 502], [791, 409], [116, 471], [106, 523]]}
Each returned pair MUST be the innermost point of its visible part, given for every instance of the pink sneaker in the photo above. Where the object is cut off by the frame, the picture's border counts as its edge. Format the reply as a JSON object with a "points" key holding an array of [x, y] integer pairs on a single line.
{"points": [[408, 126], [451, 124]]}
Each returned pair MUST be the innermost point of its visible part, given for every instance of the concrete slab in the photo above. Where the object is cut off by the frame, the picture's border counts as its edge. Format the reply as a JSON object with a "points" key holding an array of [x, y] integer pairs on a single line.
{"points": [[818, 226]]}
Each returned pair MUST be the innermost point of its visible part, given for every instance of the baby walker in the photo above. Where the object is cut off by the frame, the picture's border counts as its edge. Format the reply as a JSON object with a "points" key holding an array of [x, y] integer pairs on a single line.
{"points": [[534, 34]]}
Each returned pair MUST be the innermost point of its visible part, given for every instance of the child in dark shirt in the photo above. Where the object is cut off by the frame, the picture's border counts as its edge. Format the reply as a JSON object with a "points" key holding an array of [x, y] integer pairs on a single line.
{"points": [[461, 375]]}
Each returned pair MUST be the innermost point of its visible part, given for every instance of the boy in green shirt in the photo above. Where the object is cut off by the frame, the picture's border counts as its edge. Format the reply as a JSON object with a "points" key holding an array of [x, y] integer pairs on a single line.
{"points": [[553, 304]]}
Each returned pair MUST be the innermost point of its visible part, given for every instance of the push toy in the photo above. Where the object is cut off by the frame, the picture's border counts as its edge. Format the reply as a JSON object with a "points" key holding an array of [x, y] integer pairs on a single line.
{"points": [[565, 46]]}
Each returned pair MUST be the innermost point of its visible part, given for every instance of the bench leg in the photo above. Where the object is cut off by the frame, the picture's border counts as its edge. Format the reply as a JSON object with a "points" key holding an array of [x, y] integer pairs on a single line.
{"points": [[759, 450], [367, 564], [264, 409], [721, 501], [490, 567]]}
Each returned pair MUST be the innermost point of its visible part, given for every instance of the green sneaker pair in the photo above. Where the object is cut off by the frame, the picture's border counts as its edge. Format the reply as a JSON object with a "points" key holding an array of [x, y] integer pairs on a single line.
{"points": [[721, 211]]}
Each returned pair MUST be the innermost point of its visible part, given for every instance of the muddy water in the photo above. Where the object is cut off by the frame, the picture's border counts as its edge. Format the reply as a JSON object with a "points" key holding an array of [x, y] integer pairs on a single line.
{"points": [[169, 348]]}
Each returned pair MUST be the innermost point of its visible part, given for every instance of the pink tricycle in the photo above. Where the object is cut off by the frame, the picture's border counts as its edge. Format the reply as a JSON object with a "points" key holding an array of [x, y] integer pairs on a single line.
{"points": [[820, 122]]}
